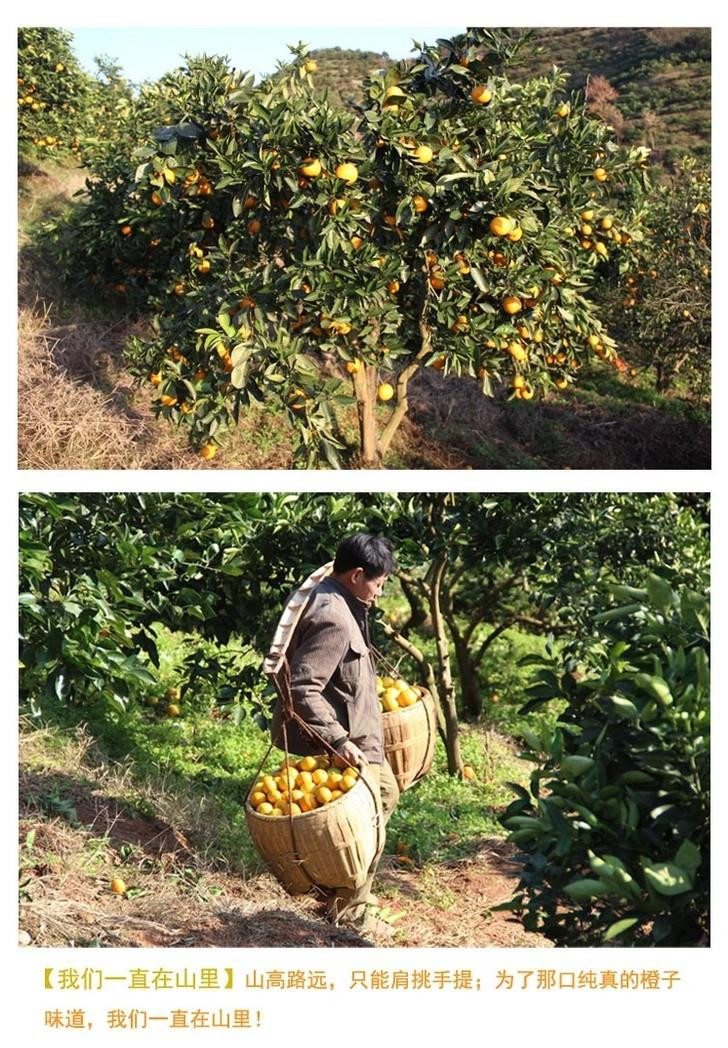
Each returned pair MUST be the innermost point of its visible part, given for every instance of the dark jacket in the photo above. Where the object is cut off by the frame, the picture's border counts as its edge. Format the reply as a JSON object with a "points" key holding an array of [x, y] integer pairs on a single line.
{"points": [[333, 679]]}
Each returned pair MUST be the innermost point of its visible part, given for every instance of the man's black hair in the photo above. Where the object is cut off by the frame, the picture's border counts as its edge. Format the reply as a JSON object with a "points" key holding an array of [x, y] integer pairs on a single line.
{"points": [[369, 552]]}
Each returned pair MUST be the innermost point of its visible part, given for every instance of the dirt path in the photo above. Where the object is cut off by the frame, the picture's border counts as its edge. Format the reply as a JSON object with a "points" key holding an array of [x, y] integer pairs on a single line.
{"points": [[66, 898]]}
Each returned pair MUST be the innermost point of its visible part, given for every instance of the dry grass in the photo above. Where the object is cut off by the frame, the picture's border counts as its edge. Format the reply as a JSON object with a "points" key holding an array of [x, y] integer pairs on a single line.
{"points": [[80, 409], [62, 422]]}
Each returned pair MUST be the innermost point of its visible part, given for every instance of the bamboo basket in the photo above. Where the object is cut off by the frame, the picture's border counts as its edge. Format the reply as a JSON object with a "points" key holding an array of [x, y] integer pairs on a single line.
{"points": [[331, 847], [409, 740]]}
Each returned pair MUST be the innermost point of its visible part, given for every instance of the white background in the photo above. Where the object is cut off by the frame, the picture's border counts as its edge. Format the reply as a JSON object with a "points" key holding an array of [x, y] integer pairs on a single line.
{"points": [[569, 1018]]}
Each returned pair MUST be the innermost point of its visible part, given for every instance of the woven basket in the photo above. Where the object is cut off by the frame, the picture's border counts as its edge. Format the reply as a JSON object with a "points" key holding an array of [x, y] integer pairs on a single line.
{"points": [[409, 740], [331, 847]]}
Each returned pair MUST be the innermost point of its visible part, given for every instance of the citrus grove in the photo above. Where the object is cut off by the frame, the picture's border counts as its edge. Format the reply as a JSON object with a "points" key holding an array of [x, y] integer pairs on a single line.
{"points": [[664, 309], [63, 112], [579, 622], [315, 258]]}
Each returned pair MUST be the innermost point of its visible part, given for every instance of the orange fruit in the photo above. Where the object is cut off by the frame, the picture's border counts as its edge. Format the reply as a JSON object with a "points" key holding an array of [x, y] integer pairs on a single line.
{"points": [[481, 94], [385, 391], [511, 304], [419, 203], [117, 886], [422, 154], [501, 226], [600, 174], [311, 167], [347, 172], [323, 794]]}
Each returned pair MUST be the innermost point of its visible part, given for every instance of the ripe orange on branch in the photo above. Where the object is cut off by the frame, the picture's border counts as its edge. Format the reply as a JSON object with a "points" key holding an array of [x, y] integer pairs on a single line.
{"points": [[511, 304], [310, 168], [348, 173], [501, 226], [481, 94]]}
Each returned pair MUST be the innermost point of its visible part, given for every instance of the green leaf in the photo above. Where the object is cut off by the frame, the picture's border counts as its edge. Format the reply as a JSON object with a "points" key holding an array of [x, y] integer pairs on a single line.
{"points": [[618, 927], [624, 707], [660, 593], [667, 878], [688, 857], [617, 613], [478, 279], [575, 765], [654, 686], [238, 376], [587, 888]]}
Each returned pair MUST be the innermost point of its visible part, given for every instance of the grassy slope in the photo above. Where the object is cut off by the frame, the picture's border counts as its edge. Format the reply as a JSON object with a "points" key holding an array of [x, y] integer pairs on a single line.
{"points": [[167, 818], [158, 802], [666, 71]]}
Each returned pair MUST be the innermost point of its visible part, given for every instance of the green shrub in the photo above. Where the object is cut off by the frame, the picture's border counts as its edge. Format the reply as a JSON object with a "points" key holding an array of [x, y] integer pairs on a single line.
{"points": [[614, 833]]}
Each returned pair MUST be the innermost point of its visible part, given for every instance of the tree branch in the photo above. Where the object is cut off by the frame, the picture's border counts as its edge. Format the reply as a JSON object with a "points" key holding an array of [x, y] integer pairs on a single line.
{"points": [[402, 405]]}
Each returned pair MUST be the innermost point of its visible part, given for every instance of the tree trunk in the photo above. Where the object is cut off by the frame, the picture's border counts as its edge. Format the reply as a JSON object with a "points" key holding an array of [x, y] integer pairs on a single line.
{"points": [[365, 390], [467, 672], [419, 615], [452, 742]]}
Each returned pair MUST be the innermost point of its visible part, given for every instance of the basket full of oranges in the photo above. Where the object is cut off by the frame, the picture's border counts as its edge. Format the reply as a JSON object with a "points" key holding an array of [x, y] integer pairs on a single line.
{"points": [[313, 824], [409, 726]]}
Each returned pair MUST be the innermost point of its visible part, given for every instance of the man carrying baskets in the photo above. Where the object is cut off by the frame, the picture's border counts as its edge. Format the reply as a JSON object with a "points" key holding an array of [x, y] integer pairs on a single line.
{"points": [[333, 691]]}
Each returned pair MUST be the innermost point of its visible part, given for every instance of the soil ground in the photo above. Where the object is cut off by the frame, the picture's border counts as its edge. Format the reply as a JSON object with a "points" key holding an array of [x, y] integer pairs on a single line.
{"points": [[75, 837]]}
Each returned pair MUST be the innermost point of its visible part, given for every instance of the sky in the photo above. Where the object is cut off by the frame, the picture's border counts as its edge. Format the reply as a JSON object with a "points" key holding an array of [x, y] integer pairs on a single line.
{"points": [[146, 52]]}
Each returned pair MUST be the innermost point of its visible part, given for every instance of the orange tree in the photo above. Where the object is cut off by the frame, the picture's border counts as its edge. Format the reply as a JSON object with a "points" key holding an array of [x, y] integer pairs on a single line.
{"points": [[614, 830], [53, 93], [663, 297], [455, 221]]}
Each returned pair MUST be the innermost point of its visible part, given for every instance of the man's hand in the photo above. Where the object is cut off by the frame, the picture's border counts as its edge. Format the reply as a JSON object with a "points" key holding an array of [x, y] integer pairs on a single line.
{"points": [[349, 753]]}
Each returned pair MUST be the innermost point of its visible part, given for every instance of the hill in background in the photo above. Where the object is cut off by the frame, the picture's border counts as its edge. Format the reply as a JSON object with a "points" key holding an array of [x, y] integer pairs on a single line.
{"points": [[659, 79], [661, 76]]}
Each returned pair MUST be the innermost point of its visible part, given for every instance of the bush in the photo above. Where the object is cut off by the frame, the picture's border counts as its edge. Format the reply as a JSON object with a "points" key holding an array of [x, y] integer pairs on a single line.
{"points": [[614, 833]]}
